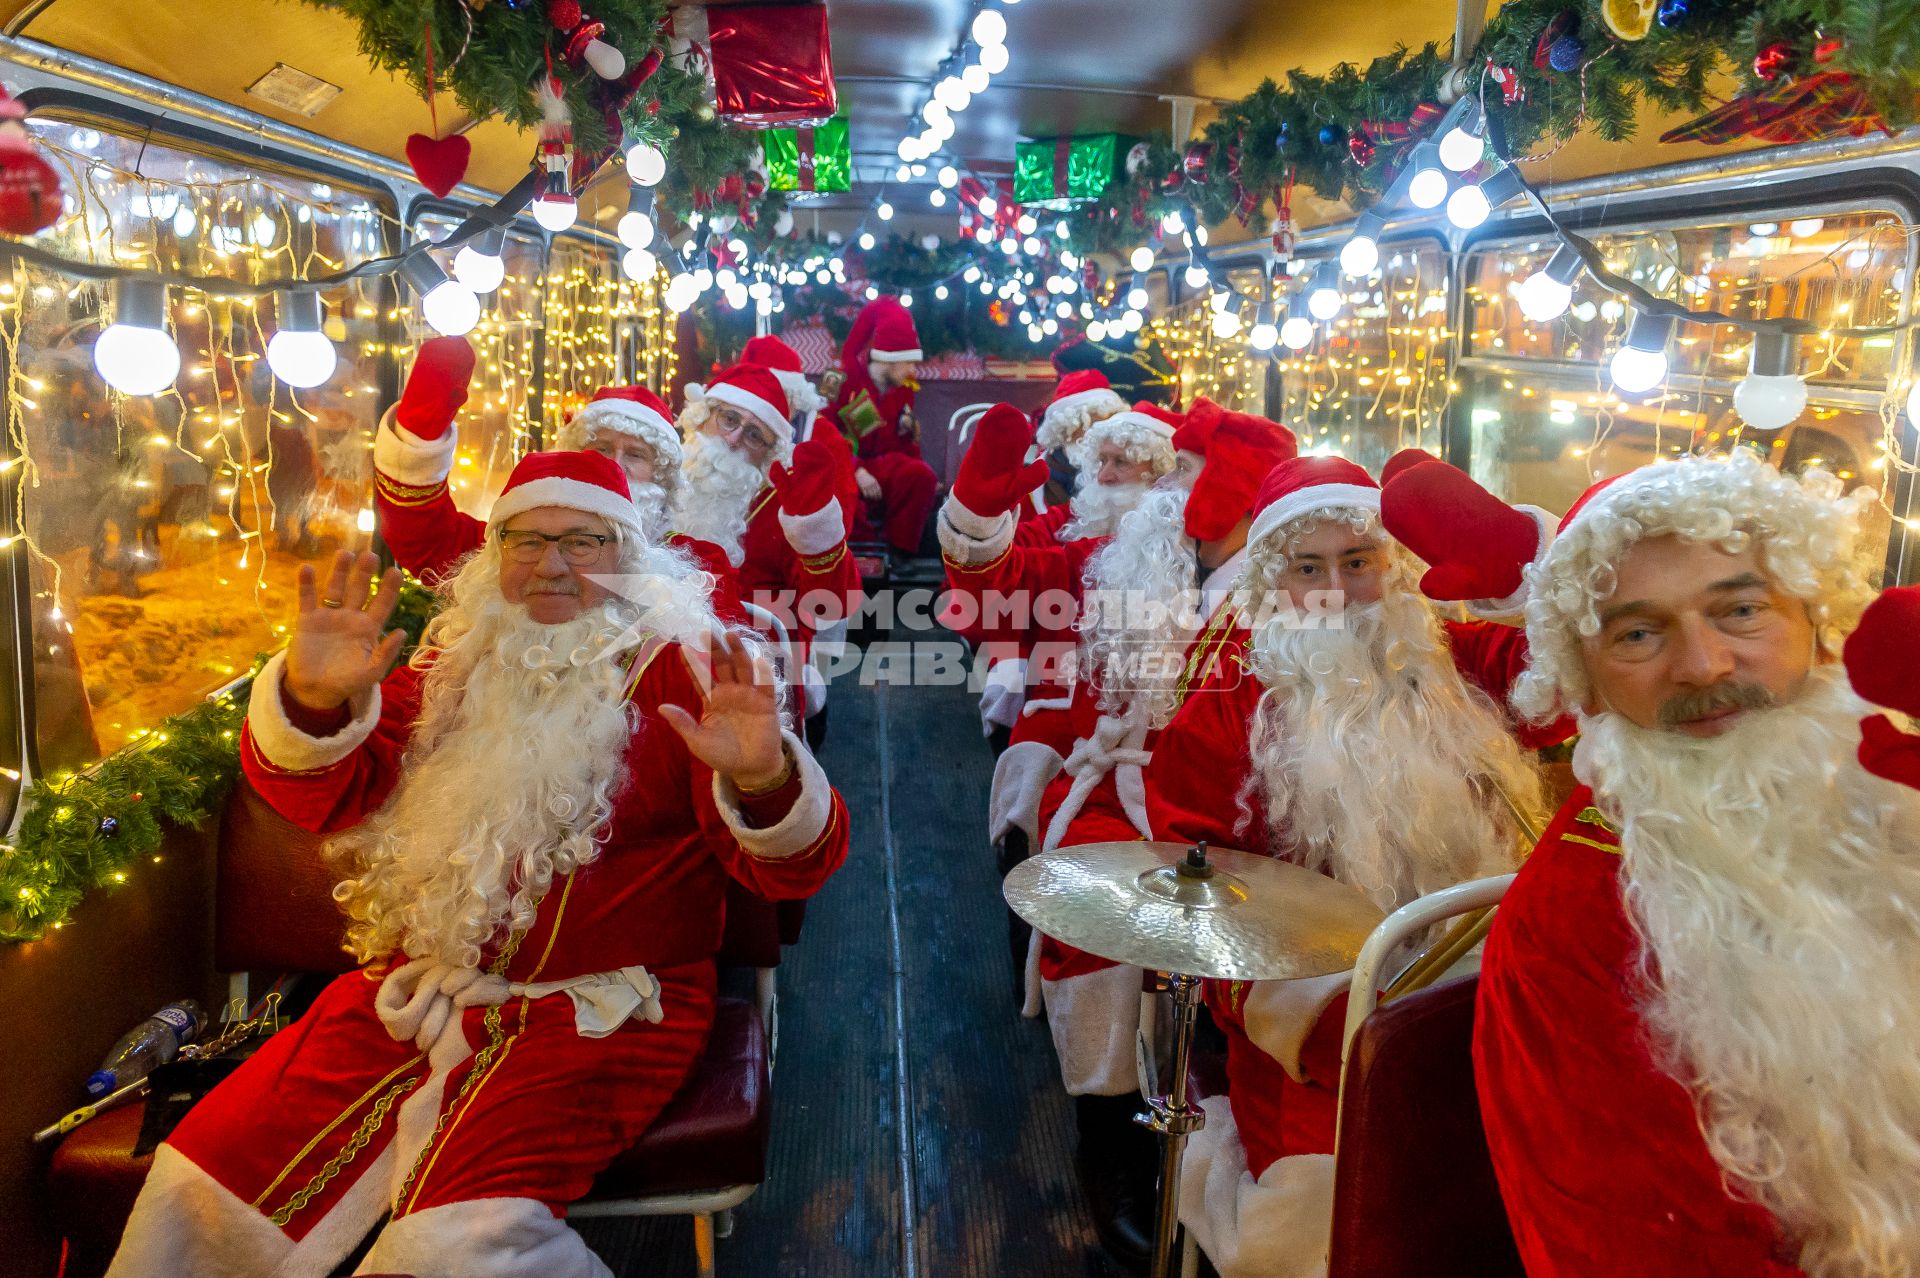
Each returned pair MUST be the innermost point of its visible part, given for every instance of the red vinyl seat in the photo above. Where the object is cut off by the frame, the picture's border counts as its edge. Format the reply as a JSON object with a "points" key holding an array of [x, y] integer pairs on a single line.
{"points": [[1414, 1190]]}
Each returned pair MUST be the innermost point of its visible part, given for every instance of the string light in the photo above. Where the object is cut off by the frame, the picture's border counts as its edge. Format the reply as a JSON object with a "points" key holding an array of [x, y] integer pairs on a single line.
{"points": [[299, 353], [1641, 362], [135, 354], [478, 264], [1772, 395]]}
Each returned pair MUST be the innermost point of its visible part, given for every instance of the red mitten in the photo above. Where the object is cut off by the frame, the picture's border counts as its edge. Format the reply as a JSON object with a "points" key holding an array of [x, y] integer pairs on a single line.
{"points": [[1888, 752], [1474, 544], [436, 388], [1401, 462], [1880, 652], [807, 485], [995, 475]]}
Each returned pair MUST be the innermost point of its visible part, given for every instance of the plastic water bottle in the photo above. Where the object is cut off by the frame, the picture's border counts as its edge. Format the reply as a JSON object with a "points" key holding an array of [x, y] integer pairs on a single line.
{"points": [[152, 1042]]}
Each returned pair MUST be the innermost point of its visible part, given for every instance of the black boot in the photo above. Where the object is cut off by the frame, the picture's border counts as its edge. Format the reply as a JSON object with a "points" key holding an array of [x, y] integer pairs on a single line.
{"points": [[1117, 1163], [1010, 851]]}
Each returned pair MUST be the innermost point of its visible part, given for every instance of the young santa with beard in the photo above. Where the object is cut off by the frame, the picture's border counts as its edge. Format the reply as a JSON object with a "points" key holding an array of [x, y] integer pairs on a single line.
{"points": [[769, 503], [537, 817], [1353, 731], [1695, 1043], [874, 407], [413, 458]]}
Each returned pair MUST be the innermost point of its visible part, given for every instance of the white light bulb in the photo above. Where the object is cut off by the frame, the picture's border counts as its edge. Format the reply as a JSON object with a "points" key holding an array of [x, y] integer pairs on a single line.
{"points": [[972, 276], [866, 239], [933, 111], [1324, 303], [1543, 298], [937, 198], [1050, 327], [908, 148], [942, 129], [1009, 246], [1636, 371], [906, 299], [726, 278], [989, 28], [948, 176], [1195, 276], [1027, 224], [1134, 321], [1220, 301], [481, 272], [703, 279], [1612, 309], [1428, 189], [1226, 324], [1173, 222], [994, 58], [1263, 337], [301, 358], [1359, 255], [639, 264], [1461, 150], [1807, 226], [184, 221], [451, 308], [646, 163], [1468, 207], [135, 360], [607, 62], [1031, 246], [984, 235], [1297, 333], [635, 229], [264, 230], [1062, 230], [682, 292], [1137, 298], [1096, 331], [952, 93], [1770, 403], [987, 206], [940, 292], [1063, 309], [1141, 259], [975, 78], [884, 210], [555, 212]]}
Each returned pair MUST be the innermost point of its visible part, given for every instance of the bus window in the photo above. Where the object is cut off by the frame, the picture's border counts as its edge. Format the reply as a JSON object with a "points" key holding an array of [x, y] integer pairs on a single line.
{"points": [[165, 531]]}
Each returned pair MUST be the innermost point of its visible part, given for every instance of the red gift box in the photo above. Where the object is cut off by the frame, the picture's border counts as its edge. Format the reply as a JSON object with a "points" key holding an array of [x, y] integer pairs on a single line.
{"points": [[768, 65]]}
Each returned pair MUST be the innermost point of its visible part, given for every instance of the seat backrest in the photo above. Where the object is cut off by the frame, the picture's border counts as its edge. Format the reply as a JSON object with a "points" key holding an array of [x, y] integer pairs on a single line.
{"points": [[1414, 1190], [273, 894], [752, 935]]}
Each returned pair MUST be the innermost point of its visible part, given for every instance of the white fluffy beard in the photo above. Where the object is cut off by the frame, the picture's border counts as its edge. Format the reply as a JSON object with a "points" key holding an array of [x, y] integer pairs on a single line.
{"points": [[651, 501], [1141, 599], [1097, 509], [1776, 886], [510, 775], [1371, 755], [718, 483]]}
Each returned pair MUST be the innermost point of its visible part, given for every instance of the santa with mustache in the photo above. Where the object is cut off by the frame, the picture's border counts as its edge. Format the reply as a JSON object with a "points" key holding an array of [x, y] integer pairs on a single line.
{"points": [[1349, 728], [1695, 1041], [535, 820], [413, 453]]}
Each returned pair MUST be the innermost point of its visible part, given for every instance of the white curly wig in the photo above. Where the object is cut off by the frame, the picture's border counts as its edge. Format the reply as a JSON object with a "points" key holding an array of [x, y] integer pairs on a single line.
{"points": [[1807, 534], [1066, 419], [1144, 439], [617, 417]]}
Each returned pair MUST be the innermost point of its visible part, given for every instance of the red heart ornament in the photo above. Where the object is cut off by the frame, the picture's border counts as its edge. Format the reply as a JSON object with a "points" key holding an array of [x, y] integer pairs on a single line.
{"points": [[439, 163]]}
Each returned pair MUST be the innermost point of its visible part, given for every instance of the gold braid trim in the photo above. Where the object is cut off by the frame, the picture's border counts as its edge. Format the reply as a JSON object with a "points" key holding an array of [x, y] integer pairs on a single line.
{"points": [[362, 1135], [817, 564], [407, 494]]}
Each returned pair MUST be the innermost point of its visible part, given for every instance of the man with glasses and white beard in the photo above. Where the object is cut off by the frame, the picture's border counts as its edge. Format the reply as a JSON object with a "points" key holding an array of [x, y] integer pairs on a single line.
{"points": [[1354, 731], [1698, 1035]]}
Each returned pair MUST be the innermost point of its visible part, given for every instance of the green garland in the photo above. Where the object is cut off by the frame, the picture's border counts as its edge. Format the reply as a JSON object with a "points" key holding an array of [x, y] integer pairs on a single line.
{"points": [[83, 830]]}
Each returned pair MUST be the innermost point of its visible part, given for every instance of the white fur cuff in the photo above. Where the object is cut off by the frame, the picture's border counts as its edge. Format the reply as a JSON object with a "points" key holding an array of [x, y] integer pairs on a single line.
{"points": [[1515, 603], [288, 748], [405, 458], [1020, 777], [817, 533], [973, 539], [804, 822], [1280, 1016]]}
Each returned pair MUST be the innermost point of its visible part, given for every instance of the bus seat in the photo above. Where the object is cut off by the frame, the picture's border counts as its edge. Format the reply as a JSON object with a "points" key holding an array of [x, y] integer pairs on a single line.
{"points": [[273, 894], [1414, 1190]]}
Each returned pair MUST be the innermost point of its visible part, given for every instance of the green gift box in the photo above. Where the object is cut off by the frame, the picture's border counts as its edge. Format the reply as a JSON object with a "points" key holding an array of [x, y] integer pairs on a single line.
{"points": [[1061, 173], [815, 159]]}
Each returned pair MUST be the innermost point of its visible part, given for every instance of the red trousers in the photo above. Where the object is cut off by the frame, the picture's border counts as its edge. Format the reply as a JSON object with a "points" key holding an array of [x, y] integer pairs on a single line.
{"points": [[908, 488]]}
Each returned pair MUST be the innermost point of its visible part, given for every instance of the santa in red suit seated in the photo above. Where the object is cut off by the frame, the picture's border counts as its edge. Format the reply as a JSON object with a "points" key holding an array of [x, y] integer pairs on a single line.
{"points": [[413, 453], [874, 407], [1352, 730], [535, 819], [1695, 1042]]}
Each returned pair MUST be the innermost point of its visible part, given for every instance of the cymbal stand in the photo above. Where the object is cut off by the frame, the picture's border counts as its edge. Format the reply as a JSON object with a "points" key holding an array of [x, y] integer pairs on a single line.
{"points": [[1174, 1120]]}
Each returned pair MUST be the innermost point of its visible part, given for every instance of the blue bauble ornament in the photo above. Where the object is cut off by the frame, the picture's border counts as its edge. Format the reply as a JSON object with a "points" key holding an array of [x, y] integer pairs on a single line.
{"points": [[1673, 13], [1566, 54], [1283, 136], [109, 826], [1331, 135]]}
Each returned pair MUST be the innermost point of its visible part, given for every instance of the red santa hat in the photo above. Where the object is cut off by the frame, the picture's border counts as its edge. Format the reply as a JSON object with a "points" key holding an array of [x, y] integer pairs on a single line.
{"points": [[1241, 451], [883, 330], [783, 362], [1145, 430], [1197, 427], [1079, 399], [633, 411], [587, 482], [1306, 484], [754, 390]]}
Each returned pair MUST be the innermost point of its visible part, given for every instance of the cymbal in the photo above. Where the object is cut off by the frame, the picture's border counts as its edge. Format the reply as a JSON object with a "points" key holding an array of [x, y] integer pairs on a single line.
{"points": [[1235, 915]]}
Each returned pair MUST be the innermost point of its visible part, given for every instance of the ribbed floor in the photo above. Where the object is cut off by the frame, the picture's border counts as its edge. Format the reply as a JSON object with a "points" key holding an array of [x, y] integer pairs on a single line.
{"points": [[982, 1184]]}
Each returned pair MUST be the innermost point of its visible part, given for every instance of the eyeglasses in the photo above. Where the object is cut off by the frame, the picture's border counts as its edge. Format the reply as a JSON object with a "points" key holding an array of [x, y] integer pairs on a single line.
{"points": [[528, 547], [733, 421]]}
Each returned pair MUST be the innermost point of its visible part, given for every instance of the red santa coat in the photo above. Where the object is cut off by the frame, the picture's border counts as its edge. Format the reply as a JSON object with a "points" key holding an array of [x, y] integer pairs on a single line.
{"points": [[362, 1124], [798, 588], [1598, 1150]]}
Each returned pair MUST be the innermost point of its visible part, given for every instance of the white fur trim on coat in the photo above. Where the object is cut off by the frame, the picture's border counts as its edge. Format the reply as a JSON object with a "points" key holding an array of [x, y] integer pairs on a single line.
{"points": [[971, 538], [1279, 1226], [405, 458], [804, 822], [1514, 604], [1280, 1015], [1020, 777], [817, 533], [1002, 694], [285, 746], [1095, 1021], [186, 1222], [499, 1237]]}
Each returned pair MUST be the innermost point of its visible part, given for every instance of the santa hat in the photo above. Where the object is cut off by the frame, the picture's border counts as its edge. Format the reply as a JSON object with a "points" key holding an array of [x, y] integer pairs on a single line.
{"points": [[1197, 427], [883, 330], [1808, 536], [633, 411], [1241, 451], [1080, 398], [1306, 484], [783, 362], [1145, 429], [587, 482], [754, 390]]}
